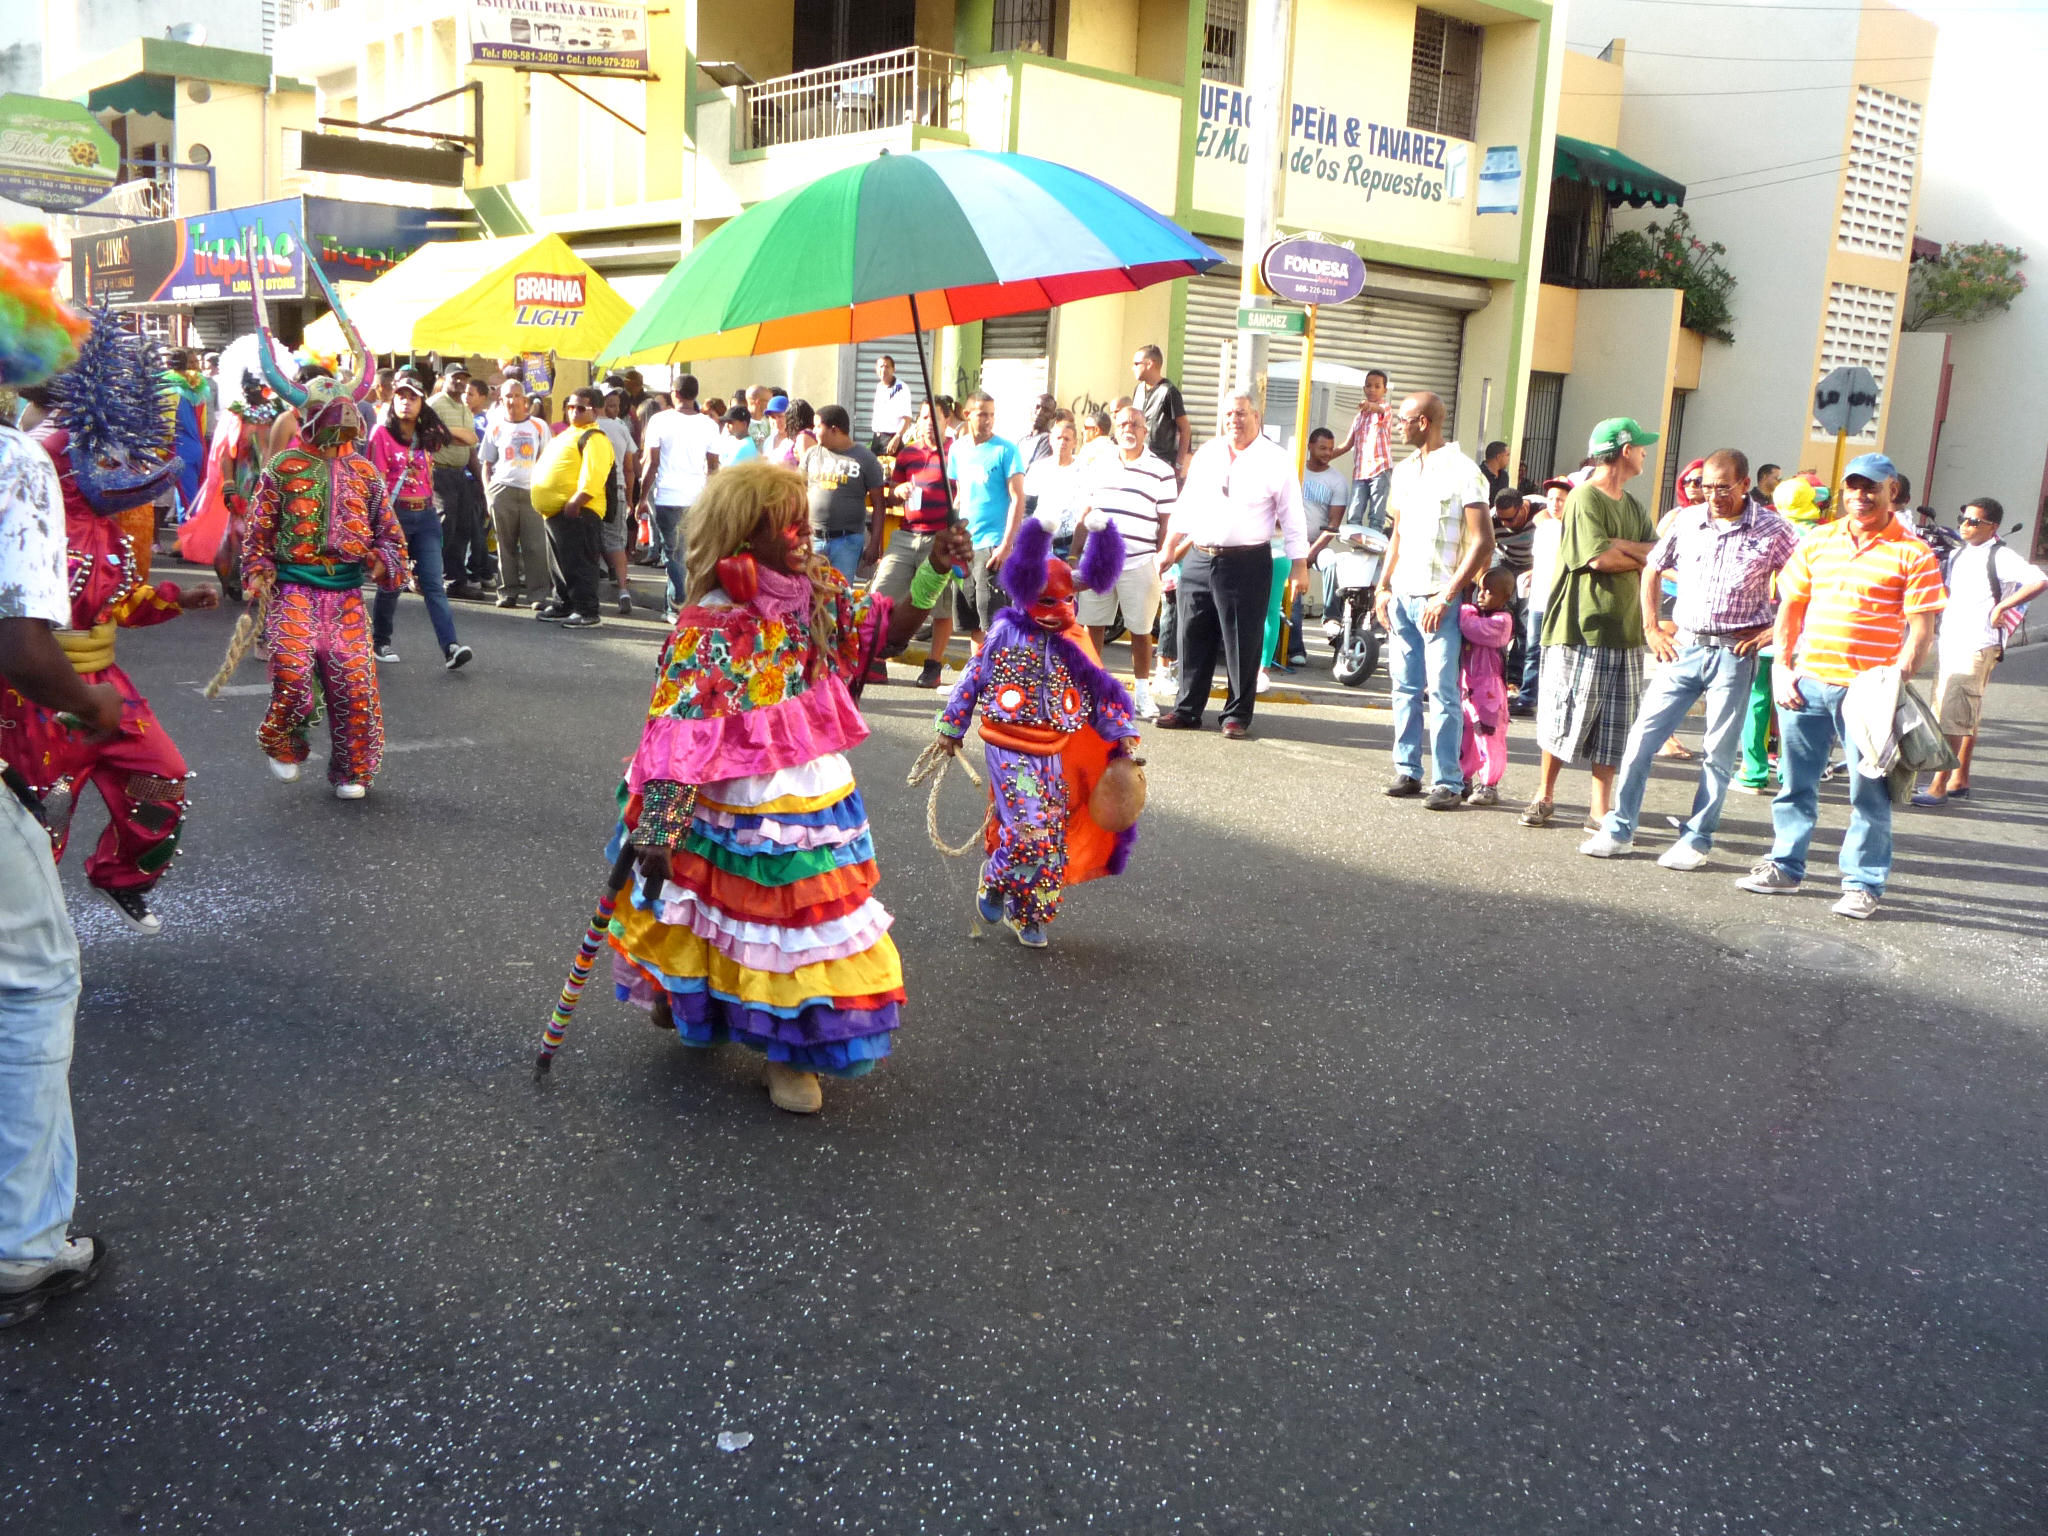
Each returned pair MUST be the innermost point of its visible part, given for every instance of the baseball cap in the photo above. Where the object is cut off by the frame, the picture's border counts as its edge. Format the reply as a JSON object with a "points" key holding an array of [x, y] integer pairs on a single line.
{"points": [[408, 383], [779, 403], [1619, 432], [1874, 467], [453, 369]]}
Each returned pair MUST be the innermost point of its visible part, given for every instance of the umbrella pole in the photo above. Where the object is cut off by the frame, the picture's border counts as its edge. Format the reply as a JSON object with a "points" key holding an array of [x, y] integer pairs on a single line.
{"points": [[931, 406], [586, 957]]}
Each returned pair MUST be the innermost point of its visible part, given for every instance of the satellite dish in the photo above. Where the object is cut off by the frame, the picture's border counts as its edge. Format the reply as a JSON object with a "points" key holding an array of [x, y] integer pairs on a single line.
{"points": [[186, 32]]}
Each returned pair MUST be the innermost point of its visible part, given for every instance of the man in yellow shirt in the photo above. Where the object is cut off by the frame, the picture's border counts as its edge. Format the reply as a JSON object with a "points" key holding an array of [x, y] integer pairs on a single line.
{"points": [[569, 490]]}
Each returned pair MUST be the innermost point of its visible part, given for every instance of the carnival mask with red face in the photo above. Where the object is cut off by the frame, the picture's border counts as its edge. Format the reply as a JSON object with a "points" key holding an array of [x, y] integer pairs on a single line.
{"points": [[1054, 610]]}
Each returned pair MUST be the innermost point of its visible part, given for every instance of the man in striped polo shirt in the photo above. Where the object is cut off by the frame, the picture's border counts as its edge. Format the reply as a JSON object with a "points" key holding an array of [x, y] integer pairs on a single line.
{"points": [[1858, 594], [1136, 491]]}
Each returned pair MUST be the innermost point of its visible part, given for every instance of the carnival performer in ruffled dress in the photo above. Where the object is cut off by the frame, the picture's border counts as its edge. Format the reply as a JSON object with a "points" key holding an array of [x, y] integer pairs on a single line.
{"points": [[762, 926], [104, 434], [1052, 721], [322, 525]]}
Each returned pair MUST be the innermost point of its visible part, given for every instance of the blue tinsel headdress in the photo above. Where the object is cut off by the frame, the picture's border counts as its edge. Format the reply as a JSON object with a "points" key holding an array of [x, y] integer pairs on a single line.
{"points": [[108, 404]]}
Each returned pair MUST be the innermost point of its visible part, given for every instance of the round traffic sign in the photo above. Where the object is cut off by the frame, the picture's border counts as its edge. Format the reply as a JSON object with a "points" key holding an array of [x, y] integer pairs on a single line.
{"points": [[1845, 400], [1312, 271]]}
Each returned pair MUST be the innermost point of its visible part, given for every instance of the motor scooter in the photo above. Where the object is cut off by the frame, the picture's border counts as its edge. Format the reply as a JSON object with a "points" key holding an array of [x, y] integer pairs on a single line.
{"points": [[1353, 629]]}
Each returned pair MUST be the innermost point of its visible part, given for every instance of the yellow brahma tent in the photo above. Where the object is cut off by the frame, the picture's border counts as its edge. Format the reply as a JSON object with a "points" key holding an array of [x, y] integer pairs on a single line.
{"points": [[485, 298]]}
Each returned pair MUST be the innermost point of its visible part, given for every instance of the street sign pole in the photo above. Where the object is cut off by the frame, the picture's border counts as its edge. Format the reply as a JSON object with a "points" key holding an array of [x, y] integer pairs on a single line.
{"points": [[1308, 363], [1835, 475]]}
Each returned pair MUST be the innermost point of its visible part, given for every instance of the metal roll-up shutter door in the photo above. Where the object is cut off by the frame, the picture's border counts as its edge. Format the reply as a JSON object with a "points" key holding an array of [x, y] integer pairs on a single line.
{"points": [[1015, 357], [213, 325], [1211, 329], [862, 389]]}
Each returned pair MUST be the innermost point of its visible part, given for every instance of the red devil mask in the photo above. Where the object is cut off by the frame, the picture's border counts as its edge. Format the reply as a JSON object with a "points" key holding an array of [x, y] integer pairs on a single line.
{"points": [[1054, 610]]}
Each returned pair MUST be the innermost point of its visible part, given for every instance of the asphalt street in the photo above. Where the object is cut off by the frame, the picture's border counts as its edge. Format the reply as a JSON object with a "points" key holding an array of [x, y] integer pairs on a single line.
{"points": [[1343, 1167]]}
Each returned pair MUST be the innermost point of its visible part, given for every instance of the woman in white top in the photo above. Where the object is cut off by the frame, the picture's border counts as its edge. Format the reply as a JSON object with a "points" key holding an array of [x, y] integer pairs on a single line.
{"points": [[1056, 487]]}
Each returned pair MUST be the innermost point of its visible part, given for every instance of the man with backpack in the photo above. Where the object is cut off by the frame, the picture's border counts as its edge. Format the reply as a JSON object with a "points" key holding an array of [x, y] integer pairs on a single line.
{"points": [[1988, 586], [572, 488]]}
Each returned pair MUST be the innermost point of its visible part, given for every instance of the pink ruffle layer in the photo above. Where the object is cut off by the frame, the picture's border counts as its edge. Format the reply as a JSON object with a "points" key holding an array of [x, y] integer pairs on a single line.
{"points": [[819, 720]]}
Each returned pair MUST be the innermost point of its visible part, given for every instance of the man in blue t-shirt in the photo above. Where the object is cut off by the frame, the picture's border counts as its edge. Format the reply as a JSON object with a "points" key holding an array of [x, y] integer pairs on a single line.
{"points": [[988, 488]]}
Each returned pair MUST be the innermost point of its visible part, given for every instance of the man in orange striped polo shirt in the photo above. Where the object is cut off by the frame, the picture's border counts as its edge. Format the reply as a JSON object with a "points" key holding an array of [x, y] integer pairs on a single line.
{"points": [[1858, 594]]}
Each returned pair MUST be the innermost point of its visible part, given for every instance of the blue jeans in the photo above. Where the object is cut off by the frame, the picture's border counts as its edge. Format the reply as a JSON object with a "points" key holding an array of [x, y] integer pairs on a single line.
{"points": [[1368, 503], [1804, 736], [1724, 678], [1532, 655], [668, 523], [38, 998], [843, 550], [1416, 662], [423, 543]]}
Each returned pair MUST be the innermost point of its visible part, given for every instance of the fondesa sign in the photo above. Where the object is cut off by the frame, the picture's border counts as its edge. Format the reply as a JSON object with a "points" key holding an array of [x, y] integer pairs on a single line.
{"points": [[1312, 271]]}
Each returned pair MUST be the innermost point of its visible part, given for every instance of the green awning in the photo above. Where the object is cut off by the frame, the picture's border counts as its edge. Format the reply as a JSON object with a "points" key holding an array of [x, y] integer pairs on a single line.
{"points": [[1622, 179]]}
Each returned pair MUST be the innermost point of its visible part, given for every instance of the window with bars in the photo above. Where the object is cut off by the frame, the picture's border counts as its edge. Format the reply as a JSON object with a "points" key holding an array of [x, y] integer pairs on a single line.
{"points": [[1575, 238], [1025, 25], [1884, 151], [1858, 332], [1443, 79], [1223, 42]]}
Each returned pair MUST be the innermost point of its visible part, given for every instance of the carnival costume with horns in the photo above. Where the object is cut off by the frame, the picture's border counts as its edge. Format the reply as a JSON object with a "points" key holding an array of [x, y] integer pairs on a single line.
{"points": [[1052, 720], [213, 534], [105, 435], [322, 522]]}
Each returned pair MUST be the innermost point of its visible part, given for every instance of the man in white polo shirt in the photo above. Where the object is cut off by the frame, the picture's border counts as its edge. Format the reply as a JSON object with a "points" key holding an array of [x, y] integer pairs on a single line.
{"points": [[892, 409], [1136, 491], [1241, 491], [1442, 538], [681, 447]]}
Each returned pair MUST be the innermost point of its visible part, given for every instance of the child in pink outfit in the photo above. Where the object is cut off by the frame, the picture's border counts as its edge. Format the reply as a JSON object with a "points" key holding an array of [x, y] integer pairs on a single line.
{"points": [[1488, 629]]}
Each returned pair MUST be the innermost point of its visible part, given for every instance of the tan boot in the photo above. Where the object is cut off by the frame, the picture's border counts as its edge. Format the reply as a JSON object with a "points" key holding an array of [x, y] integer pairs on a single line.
{"points": [[796, 1092]]}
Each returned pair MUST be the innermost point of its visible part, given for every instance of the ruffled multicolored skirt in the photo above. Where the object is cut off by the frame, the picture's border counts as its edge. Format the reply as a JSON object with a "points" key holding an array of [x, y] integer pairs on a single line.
{"points": [[767, 931]]}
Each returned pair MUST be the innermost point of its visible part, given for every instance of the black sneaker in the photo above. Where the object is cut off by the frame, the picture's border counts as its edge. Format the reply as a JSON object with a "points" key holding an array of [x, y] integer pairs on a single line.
{"points": [[383, 652], [551, 613], [459, 655], [930, 675], [134, 907], [582, 621], [1442, 798], [625, 605], [1403, 788]]}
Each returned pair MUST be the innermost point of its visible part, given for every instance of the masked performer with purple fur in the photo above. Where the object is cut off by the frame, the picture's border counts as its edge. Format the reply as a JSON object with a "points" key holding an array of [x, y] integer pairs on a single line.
{"points": [[1053, 723]]}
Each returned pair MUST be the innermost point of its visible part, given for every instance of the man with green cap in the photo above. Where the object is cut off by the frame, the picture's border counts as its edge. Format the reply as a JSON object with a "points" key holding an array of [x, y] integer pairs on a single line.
{"points": [[1592, 677]]}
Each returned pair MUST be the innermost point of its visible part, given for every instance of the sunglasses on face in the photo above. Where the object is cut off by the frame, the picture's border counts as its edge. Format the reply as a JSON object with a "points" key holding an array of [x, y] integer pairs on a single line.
{"points": [[1975, 522]]}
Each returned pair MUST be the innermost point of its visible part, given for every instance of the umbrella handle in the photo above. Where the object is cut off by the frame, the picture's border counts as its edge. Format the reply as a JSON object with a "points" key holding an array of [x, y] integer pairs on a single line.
{"points": [[586, 957], [932, 409]]}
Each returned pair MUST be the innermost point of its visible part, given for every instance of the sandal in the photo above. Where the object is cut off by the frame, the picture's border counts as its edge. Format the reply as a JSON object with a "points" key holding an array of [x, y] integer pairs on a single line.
{"points": [[1537, 813]]}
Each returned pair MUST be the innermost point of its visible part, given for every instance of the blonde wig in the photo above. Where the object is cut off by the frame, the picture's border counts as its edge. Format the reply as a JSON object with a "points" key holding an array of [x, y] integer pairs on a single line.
{"points": [[736, 502]]}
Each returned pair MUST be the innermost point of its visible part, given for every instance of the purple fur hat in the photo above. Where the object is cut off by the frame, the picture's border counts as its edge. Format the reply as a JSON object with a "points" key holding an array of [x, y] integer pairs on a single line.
{"points": [[1024, 571], [1102, 562]]}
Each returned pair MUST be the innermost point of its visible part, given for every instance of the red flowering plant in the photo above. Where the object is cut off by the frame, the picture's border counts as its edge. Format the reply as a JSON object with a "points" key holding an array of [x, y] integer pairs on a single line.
{"points": [[1670, 255], [1962, 284]]}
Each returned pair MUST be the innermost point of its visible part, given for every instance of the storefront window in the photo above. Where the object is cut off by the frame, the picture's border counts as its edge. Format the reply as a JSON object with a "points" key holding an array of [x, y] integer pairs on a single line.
{"points": [[1223, 42], [1443, 81]]}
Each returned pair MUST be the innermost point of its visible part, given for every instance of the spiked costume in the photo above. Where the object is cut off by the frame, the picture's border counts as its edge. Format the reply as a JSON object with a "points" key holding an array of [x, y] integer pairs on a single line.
{"points": [[1051, 720], [219, 523], [104, 434]]}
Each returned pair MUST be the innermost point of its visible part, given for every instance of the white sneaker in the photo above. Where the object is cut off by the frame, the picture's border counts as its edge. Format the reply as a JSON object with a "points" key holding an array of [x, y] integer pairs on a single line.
{"points": [[1265, 682], [1856, 902], [1166, 684], [1682, 856], [1143, 704], [1601, 846], [284, 773], [350, 791]]}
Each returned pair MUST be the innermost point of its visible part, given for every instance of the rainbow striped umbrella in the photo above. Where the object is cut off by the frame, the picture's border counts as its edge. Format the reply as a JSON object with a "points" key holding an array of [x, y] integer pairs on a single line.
{"points": [[905, 243]]}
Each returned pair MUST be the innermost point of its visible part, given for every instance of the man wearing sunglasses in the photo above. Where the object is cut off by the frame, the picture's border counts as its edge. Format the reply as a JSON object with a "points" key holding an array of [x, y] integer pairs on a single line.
{"points": [[1861, 593], [1989, 586]]}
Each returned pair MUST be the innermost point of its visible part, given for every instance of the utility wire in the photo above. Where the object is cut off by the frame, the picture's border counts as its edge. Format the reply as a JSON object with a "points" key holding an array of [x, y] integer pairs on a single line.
{"points": [[1758, 186], [1761, 170], [1752, 58]]}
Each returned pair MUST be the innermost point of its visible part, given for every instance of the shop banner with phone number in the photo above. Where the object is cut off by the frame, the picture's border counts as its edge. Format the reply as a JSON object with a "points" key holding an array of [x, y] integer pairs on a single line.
{"points": [[575, 37]]}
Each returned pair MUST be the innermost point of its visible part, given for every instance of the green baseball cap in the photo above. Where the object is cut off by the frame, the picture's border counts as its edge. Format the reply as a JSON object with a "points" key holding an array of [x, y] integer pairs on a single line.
{"points": [[1619, 432]]}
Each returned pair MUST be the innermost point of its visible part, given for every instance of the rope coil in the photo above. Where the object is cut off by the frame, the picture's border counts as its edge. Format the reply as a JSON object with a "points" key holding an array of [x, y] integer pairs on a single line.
{"points": [[932, 764]]}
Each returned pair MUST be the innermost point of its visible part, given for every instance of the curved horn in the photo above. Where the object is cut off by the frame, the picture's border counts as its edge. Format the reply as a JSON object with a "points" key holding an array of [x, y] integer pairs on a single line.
{"points": [[286, 389], [355, 382]]}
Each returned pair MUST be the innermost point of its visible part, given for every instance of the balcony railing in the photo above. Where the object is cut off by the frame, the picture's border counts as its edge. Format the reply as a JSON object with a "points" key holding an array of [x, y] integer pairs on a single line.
{"points": [[909, 87]]}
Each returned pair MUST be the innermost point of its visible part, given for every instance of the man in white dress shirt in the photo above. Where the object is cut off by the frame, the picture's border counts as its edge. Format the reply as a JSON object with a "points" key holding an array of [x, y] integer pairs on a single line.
{"points": [[1241, 492], [892, 409]]}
